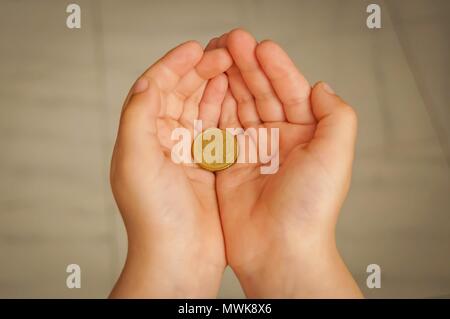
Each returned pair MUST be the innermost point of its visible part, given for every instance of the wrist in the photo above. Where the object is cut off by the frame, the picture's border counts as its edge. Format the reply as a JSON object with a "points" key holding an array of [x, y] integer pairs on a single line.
{"points": [[312, 268], [157, 271]]}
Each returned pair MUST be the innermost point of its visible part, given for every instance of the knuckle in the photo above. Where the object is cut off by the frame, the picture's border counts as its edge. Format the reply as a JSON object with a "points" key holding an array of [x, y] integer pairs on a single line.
{"points": [[245, 100]]}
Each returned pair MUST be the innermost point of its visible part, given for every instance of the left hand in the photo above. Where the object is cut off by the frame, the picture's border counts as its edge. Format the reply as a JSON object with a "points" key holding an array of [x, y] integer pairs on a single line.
{"points": [[175, 242]]}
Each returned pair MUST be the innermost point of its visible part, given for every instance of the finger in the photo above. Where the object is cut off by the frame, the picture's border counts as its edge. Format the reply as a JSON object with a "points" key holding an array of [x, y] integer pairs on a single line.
{"points": [[247, 114], [212, 64], [168, 71], [242, 46], [191, 104], [290, 85], [335, 133], [229, 116], [222, 41], [210, 105], [212, 44], [191, 107]]}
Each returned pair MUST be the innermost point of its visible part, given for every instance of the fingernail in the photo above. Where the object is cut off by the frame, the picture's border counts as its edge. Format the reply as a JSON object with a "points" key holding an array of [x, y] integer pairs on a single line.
{"points": [[327, 88], [140, 86]]}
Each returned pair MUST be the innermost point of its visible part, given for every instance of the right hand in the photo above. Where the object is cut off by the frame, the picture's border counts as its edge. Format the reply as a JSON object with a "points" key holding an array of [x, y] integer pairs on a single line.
{"points": [[279, 228]]}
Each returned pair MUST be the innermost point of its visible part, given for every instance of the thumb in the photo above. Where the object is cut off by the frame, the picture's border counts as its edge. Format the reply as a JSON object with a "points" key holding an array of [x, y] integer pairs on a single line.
{"points": [[142, 106], [138, 129], [335, 134], [137, 151]]}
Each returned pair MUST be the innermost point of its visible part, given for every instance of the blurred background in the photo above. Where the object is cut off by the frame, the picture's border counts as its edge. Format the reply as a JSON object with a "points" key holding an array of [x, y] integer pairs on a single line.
{"points": [[61, 91]]}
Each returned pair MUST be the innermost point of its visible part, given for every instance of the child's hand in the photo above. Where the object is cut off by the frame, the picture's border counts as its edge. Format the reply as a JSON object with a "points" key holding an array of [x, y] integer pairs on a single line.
{"points": [[175, 242], [279, 229]]}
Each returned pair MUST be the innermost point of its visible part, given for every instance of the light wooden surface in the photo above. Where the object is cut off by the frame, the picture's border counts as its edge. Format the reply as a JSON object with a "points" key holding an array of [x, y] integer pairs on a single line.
{"points": [[61, 92]]}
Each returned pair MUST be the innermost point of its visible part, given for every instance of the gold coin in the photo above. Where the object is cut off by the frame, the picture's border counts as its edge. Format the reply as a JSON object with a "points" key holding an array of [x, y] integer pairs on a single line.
{"points": [[215, 149]]}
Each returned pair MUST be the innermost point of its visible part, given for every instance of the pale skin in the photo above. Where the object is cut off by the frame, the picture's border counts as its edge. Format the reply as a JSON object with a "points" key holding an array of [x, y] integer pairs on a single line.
{"points": [[185, 224], [175, 241]]}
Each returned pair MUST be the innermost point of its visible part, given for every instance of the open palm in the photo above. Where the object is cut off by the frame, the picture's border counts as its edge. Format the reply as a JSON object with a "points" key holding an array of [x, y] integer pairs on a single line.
{"points": [[267, 217], [174, 206], [184, 223]]}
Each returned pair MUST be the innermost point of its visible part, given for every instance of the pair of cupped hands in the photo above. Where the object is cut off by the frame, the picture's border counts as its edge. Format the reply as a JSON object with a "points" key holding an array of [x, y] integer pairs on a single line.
{"points": [[186, 224]]}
